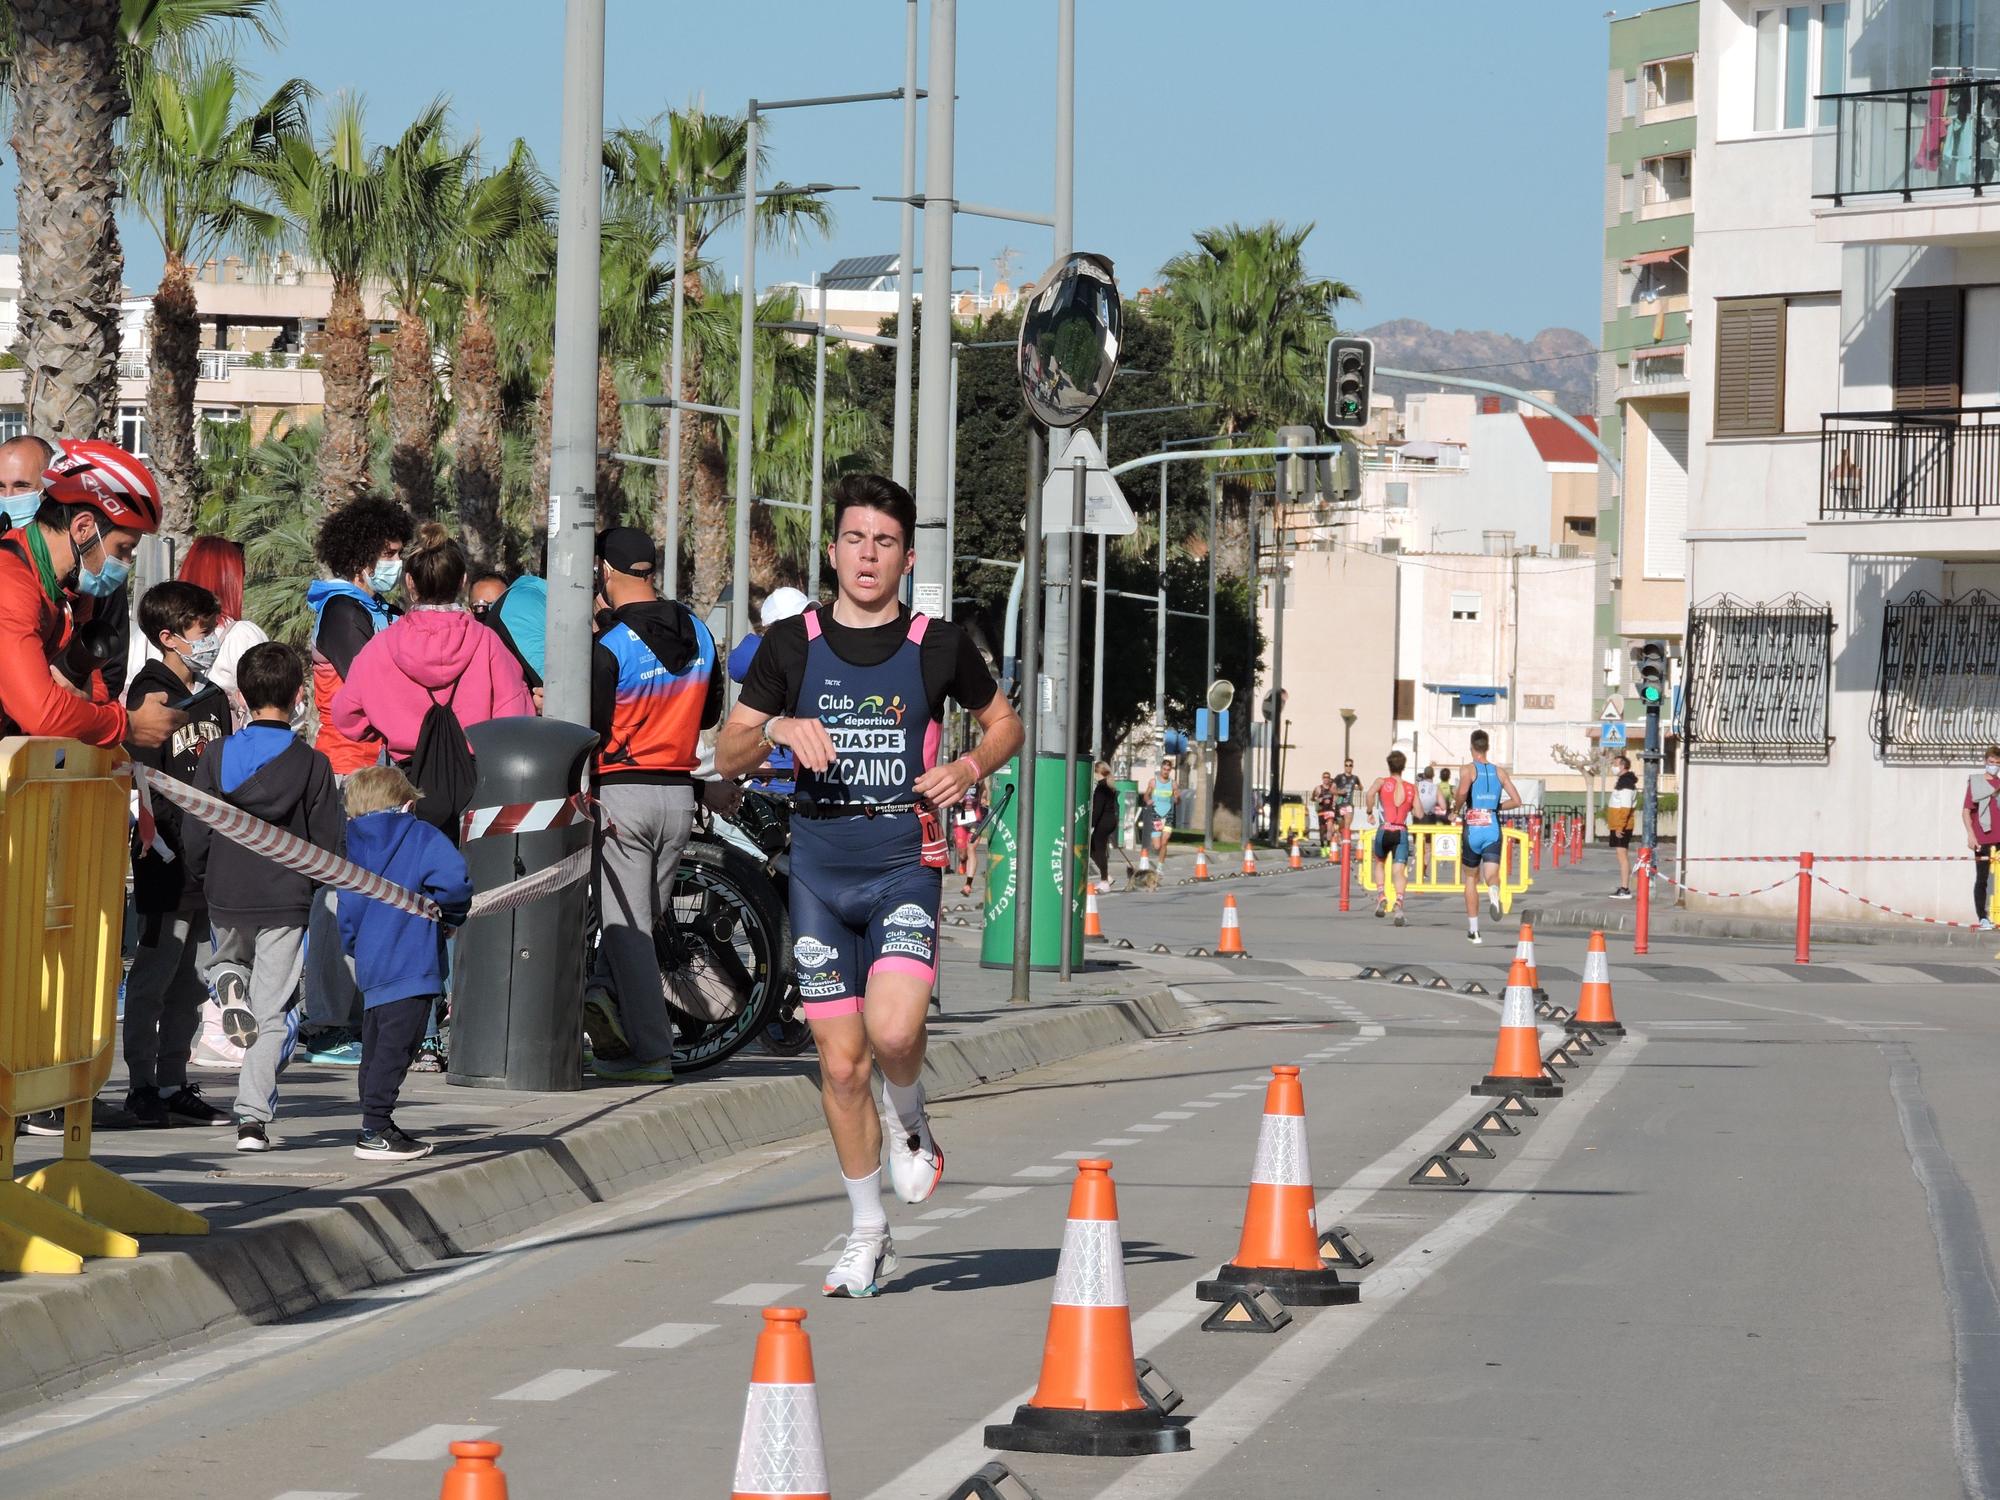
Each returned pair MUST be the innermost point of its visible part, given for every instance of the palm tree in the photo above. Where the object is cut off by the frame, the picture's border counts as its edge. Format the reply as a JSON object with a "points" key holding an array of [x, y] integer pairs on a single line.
{"points": [[507, 239], [1250, 327], [330, 188], [424, 183], [658, 175], [188, 156]]}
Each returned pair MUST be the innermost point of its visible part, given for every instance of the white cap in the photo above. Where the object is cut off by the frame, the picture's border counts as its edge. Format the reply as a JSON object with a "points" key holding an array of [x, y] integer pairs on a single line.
{"points": [[782, 604]]}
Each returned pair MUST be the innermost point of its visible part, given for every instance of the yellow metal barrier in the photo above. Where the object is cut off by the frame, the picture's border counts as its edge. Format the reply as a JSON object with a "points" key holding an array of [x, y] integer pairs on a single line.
{"points": [[63, 831], [1434, 863]]}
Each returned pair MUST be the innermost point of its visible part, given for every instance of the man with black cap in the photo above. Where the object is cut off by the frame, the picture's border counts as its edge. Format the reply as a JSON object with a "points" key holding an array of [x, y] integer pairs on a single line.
{"points": [[653, 688]]}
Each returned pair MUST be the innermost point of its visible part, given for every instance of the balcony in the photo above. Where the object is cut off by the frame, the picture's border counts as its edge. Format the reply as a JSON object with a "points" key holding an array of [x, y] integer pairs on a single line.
{"points": [[1909, 483], [1911, 165]]}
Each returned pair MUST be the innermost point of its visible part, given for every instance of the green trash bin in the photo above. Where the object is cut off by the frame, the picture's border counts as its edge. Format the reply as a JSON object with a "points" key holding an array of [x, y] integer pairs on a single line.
{"points": [[1045, 950], [1128, 812]]}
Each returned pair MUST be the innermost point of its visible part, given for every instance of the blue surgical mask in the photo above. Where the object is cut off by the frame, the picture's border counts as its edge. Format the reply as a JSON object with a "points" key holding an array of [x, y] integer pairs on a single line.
{"points": [[101, 585], [20, 509], [200, 655], [388, 573]]}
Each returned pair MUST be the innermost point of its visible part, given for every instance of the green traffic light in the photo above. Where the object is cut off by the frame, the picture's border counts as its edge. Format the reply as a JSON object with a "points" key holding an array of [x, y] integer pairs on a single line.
{"points": [[1650, 692]]}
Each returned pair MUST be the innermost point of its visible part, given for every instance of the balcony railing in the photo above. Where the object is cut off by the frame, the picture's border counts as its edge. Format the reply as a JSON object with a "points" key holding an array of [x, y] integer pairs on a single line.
{"points": [[1935, 138], [1885, 464]]}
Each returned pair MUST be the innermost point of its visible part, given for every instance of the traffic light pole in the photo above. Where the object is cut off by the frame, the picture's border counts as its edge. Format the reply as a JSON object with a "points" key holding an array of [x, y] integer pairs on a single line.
{"points": [[1649, 830]]}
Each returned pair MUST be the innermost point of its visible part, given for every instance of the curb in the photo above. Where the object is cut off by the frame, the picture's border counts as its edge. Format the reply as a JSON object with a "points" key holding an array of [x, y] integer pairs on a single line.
{"points": [[1676, 923], [59, 1333]]}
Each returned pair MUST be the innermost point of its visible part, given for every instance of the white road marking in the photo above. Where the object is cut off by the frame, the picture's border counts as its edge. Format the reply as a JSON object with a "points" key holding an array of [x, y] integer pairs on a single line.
{"points": [[758, 1293], [914, 1231], [995, 1194], [1117, 1140], [949, 1213], [1075, 1155], [668, 1335], [320, 1495], [555, 1385], [431, 1444], [1173, 1114], [375, 1302], [1891, 974], [1041, 1171], [1148, 1129], [1198, 1104]]}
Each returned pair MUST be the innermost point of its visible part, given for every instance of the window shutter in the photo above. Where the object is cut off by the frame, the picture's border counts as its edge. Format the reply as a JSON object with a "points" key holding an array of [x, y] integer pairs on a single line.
{"points": [[1406, 698], [1930, 322], [1666, 495], [1750, 367]]}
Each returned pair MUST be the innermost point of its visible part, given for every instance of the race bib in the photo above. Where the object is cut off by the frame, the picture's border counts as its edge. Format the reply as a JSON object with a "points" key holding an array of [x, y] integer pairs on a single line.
{"points": [[1478, 817]]}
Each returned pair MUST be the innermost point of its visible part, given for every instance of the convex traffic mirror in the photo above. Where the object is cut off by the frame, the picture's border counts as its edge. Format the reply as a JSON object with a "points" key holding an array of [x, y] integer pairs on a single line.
{"points": [[1069, 340]]}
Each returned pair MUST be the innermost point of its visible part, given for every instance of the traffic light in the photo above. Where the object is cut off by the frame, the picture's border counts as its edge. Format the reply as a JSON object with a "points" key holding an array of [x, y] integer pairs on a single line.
{"points": [[1350, 382], [1649, 674]]}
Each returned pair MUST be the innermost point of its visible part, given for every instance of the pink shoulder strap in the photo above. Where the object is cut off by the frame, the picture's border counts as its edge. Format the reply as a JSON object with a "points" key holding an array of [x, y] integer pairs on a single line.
{"points": [[918, 625], [812, 623]]}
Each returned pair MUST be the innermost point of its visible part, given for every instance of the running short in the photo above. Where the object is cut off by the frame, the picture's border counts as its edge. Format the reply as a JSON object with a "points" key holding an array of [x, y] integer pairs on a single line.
{"points": [[1486, 851], [1394, 843], [850, 929]]}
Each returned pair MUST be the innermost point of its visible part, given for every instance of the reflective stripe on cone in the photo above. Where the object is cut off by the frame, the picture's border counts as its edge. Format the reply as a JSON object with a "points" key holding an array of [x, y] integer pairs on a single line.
{"points": [[1517, 1062], [781, 1455], [1594, 1010]]}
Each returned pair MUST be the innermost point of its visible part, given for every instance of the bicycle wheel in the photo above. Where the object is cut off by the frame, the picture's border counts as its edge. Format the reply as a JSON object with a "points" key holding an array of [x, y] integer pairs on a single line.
{"points": [[724, 953]]}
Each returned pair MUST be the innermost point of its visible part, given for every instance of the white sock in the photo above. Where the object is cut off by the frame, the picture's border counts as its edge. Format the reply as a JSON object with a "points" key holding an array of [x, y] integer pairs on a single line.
{"points": [[906, 1103], [864, 1196], [1472, 924]]}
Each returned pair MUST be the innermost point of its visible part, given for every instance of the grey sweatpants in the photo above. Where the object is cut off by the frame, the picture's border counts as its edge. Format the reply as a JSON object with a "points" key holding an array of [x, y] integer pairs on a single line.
{"points": [[274, 957], [163, 998], [333, 999], [653, 825]]}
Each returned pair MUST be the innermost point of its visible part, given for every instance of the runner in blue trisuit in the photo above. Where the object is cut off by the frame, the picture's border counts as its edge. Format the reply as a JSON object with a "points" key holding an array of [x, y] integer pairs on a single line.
{"points": [[857, 691], [1485, 789]]}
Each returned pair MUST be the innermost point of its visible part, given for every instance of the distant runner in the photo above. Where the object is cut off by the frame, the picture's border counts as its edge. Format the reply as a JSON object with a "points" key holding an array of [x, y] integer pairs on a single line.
{"points": [[1487, 789], [1391, 799], [1326, 803], [1346, 789]]}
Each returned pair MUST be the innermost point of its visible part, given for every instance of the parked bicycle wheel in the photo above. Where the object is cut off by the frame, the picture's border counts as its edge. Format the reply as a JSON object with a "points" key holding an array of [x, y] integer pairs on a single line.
{"points": [[724, 951]]}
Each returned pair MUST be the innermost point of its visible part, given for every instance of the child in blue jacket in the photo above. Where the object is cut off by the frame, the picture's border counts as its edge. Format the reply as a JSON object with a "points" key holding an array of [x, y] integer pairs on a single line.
{"points": [[399, 959]]}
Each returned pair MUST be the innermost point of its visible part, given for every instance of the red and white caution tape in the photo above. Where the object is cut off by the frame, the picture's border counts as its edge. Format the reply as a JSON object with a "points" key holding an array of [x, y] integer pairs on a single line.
{"points": [[1665, 879], [521, 817], [1892, 911]]}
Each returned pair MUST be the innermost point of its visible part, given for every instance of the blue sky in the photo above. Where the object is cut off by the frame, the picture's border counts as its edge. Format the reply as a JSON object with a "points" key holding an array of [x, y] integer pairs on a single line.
{"points": [[1450, 151]]}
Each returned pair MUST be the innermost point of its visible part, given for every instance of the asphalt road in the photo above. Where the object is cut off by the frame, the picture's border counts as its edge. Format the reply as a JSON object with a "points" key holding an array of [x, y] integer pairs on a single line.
{"points": [[1744, 1257]]}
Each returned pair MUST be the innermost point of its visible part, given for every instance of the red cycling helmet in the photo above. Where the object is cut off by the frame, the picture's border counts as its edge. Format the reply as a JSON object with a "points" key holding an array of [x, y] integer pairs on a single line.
{"points": [[105, 478]]}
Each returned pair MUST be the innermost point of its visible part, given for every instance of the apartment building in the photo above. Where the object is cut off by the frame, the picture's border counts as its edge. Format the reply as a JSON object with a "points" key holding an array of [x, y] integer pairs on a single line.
{"points": [[1843, 645], [1649, 227]]}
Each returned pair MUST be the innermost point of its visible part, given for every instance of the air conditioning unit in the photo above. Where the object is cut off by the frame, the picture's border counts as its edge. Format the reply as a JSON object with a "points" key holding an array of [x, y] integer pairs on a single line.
{"points": [[1568, 550], [1390, 544]]}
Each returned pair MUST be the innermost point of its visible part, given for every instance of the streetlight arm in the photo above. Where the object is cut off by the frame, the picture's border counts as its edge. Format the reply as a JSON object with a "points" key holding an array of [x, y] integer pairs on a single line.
{"points": [[1495, 388]]}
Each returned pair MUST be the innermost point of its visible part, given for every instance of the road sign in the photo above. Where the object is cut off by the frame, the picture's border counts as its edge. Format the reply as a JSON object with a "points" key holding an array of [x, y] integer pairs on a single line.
{"points": [[1614, 708], [1611, 734], [1204, 720], [1104, 509]]}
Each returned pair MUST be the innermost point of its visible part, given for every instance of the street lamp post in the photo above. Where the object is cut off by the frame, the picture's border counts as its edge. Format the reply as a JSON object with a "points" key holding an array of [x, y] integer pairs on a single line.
{"points": [[906, 271], [1347, 718], [928, 583]]}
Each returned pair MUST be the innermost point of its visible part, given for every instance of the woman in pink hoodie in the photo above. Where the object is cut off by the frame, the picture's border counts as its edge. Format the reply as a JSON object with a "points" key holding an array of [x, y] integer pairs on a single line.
{"points": [[435, 653]]}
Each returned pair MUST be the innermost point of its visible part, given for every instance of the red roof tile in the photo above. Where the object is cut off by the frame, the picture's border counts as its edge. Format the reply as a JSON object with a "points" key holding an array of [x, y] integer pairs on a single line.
{"points": [[1557, 444]]}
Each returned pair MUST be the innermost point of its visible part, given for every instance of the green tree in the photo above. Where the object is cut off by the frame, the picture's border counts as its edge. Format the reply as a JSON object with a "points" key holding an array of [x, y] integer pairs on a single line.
{"points": [[190, 157]]}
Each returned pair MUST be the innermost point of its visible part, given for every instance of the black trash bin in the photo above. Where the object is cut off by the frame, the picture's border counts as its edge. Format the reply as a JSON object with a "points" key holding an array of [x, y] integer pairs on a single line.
{"points": [[517, 984]]}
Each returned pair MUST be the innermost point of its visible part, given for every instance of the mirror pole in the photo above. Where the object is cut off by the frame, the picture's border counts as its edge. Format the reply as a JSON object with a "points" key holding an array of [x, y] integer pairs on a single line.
{"points": [[1160, 636], [929, 583], [906, 258], [1073, 633], [1209, 673], [1031, 714]]}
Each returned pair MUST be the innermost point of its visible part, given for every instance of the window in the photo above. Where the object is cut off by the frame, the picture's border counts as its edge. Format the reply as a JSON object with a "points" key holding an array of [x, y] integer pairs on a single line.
{"points": [[1756, 680], [1465, 708], [1937, 692], [1669, 82], [1801, 51], [132, 430], [1464, 606], [1628, 195], [1661, 369], [1396, 494], [1669, 179], [1631, 97], [13, 424], [1657, 280], [1930, 324], [1749, 367]]}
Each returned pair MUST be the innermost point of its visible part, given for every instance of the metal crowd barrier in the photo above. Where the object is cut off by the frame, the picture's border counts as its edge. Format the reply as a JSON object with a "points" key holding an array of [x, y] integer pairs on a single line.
{"points": [[1435, 863]]}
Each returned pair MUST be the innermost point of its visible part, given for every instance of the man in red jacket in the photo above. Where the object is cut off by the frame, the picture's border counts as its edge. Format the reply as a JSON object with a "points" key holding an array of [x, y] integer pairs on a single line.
{"points": [[98, 500]]}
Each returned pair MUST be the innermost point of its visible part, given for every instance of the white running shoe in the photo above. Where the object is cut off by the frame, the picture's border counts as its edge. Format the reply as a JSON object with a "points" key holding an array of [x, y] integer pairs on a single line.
{"points": [[861, 1267], [913, 1171], [1472, 936], [1493, 899]]}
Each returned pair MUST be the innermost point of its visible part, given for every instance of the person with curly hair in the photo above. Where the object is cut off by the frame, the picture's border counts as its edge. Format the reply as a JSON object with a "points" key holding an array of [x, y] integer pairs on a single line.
{"points": [[361, 547]]}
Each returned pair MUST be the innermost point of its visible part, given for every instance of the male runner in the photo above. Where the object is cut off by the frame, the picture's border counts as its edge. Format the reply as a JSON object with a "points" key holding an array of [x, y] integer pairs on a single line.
{"points": [[1326, 802], [1484, 790], [857, 692], [1346, 788], [1391, 798]]}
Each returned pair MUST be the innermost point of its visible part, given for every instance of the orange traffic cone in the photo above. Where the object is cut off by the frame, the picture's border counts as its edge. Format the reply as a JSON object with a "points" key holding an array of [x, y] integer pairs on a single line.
{"points": [[1088, 1400], [1249, 860], [1594, 1011], [1524, 953], [1093, 925], [1297, 862], [1201, 864], [473, 1474], [1230, 939], [1280, 1245], [1517, 1064], [781, 1455]]}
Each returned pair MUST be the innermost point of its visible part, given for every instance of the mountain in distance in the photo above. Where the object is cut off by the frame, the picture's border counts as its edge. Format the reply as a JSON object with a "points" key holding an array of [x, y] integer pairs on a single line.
{"points": [[1556, 359]]}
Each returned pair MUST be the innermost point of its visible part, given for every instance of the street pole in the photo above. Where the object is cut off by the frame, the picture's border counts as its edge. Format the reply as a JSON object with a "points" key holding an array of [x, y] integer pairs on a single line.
{"points": [[1160, 637], [819, 445], [1209, 673], [1031, 713], [951, 494], [572, 531], [1250, 696], [1097, 663], [673, 558], [928, 583], [1063, 574], [899, 465], [1277, 756], [739, 575], [1072, 631]]}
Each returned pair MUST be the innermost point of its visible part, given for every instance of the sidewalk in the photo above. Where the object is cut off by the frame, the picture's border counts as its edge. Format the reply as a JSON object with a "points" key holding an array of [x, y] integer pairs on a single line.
{"points": [[307, 1223]]}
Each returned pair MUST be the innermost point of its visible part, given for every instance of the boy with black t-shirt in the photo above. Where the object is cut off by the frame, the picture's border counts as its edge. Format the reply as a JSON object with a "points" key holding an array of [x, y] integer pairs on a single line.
{"points": [[857, 692], [165, 990]]}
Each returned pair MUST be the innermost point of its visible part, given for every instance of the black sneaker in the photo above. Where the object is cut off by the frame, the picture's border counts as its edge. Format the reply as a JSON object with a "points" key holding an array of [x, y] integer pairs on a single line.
{"points": [[43, 1122], [430, 1056], [187, 1107], [1623, 893], [146, 1107], [252, 1136], [389, 1145]]}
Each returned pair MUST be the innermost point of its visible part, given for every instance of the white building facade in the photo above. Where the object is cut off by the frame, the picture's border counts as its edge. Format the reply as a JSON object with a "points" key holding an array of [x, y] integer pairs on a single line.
{"points": [[1842, 667]]}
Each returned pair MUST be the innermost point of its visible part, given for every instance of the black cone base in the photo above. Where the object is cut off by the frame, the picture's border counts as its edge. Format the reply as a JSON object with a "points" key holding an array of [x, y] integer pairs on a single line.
{"points": [[1602, 1028], [1090, 1434], [1492, 1086], [1321, 1288]]}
